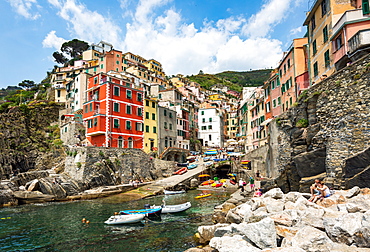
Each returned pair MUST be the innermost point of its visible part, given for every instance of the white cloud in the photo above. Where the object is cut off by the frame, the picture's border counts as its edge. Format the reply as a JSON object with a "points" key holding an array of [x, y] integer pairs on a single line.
{"points": [[271, 14], [87, 25], [296, 30], [52, 41], [24, 8]]}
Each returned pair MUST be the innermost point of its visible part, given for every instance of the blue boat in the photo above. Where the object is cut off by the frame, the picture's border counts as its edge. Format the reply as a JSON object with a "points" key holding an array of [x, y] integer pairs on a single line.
{"points": [[155, 212], [192, 166]]}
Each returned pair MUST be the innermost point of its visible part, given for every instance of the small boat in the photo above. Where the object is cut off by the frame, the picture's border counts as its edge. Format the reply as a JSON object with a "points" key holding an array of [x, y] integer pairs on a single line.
{"points": [[192, 166], [181, 171], [175, 208], [233, 182], [209, 163], [202, 196], [149, 212], [216, 184], [203, 175], [208, 182], [167, 192], [124, 219]]}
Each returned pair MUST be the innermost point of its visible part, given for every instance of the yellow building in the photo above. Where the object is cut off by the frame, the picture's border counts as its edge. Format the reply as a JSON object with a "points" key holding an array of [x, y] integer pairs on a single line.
{"points": [[150, 125], [319, 21], [155, 67], [214, 97]]}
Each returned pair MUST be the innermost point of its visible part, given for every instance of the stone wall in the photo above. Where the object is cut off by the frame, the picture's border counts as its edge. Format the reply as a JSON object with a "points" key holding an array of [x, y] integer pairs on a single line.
{"points": [[329, 126]]}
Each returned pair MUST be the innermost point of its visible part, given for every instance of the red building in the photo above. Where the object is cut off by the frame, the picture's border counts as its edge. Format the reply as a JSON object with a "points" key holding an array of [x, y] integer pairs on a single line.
{"points": [[113, 113]]}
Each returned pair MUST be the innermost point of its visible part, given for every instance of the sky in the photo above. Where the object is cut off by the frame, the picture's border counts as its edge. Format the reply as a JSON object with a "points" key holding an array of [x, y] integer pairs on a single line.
{"points": [[186, 36]]}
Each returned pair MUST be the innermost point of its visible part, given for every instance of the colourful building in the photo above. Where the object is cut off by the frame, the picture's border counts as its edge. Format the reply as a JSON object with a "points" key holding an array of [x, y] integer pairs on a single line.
{"points": [[319, 22], [113, 112], [351, 35], [150, 125]]}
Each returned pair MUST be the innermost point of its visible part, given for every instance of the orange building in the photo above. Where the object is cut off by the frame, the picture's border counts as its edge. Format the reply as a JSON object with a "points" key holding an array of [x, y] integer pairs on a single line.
{"points": [[113, 112]]}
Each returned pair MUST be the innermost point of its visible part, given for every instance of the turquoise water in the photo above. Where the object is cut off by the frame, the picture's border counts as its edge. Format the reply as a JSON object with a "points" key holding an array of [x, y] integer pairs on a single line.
{"points": [[58, 226]]}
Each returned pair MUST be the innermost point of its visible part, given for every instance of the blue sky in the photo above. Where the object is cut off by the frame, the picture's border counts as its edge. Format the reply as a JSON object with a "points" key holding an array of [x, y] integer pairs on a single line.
{"points": [[185, 36]]}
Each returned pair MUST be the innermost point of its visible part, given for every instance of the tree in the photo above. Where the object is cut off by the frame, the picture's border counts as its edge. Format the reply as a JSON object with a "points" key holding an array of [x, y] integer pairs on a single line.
{"points": [[70, 51], [28, 84], [201, 72], [74, 48], [59, 58]]}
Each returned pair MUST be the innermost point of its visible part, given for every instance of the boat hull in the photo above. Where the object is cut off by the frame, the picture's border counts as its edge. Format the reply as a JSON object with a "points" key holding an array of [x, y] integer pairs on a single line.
{"points": [[155, 212], [176, 208], [173, 192], [203, 196], [124, 219]]}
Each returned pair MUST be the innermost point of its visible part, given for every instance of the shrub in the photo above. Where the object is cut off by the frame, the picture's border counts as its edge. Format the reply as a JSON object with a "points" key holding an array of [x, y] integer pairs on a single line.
{"points": [[302, 123], [78, 164]]}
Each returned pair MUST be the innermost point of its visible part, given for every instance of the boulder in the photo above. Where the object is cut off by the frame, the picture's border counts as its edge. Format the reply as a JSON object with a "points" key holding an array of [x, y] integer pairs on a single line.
{"points": [[206, 233], [343, 228], [273, 206], [262, 234], [311, 163], [286, 232], [353, 192], [290, 249], [311, 239], [234, 243], [274, 193]]}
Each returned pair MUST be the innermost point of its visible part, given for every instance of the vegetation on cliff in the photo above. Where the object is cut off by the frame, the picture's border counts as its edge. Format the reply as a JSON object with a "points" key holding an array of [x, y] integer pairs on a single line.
{"points": [[234, 80]]}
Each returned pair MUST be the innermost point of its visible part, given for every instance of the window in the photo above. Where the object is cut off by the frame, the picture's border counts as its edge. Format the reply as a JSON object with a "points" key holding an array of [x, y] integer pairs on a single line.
{"points": [[165, 112], [209, 127], [153, 116], [128, 109], [338, 42], [313, 23], [139, 111], [291, 101], [95, 121], [268, 105], [204, 127], [116, 123], [154, 129], [288, 63], [146, 128], [160, 96], [325, 33], [165, 125], [272, 84], [147, 103], [365, 7], [153, 104], [170, 126], [128, 94], [116, 107], [139, 96], [210, 137], [116, 91], [170, 115], [86, 108], [210, 119], [279, 101], [90, 106], [315, 69], [139, 126], [324, 7], [128, 125], [314, 47], [146, 115], [203, 120], [284, 68], [327, 59], [202, 112], [101, 66], [58, 93]]}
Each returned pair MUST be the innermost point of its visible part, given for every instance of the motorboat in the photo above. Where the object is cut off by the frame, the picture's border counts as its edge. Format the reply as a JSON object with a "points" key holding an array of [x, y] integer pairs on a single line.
{"points": [[124, 219], [149, 212], [167, 192], [176, 208]]}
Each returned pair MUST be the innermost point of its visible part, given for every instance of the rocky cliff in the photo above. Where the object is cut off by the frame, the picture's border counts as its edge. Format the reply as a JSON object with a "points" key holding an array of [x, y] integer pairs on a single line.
{"points": [[326, 134]]}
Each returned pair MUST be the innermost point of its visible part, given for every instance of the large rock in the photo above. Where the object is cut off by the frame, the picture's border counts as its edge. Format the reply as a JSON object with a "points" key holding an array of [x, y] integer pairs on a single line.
{"points": [[311, 239], [343, 228], [262, 234], [234, 243], [206, 233], [353, 192], [311, 163], [274, 193]]}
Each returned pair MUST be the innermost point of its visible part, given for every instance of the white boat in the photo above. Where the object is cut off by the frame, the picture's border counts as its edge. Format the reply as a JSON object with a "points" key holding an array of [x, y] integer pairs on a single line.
{"points": [[176, 208], [124, 219], [173, 192]]}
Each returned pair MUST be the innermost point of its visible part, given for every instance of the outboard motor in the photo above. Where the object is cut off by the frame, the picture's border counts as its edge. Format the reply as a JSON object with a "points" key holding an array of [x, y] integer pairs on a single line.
{"points": [[147, 206]]}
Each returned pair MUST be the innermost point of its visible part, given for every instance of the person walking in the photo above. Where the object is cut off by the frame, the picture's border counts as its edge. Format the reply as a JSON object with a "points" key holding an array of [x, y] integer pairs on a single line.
{"points": [[241, 184], [251, 183]]}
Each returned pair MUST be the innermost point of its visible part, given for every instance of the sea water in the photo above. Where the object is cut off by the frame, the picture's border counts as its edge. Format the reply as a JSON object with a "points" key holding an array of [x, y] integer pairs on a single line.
{"points": [[59, 226]]}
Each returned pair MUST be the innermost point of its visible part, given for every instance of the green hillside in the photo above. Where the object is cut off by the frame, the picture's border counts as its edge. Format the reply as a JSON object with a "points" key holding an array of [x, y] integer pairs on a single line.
{"points": [[234, 80]]}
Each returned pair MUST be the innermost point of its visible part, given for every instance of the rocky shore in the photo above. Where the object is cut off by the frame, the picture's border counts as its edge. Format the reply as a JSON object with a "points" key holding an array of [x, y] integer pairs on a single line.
{"points": [[289, 222]]}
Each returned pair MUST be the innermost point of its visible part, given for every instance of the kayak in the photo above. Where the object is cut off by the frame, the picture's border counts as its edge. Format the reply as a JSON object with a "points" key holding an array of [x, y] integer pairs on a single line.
{"points": [[203, 196], [208, 182]]}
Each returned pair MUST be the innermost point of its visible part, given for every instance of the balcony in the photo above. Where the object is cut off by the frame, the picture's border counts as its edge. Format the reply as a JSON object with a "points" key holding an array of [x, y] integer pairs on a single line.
{"points": [[59, 86], [359, 40], [348, 16]]}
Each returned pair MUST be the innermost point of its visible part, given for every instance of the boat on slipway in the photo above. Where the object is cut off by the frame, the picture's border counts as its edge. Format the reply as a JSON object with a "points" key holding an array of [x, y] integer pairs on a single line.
{"points": [[167, 192], [124, 219]]}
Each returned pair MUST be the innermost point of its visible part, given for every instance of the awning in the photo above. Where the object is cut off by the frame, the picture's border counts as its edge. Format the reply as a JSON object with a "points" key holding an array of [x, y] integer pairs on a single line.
{"points": [[211, 152], [265, 122], [191, 157]]}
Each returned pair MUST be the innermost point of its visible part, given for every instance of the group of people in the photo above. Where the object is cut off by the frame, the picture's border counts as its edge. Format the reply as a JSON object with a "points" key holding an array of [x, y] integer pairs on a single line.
{"points": [[319, 191], [242, 185]]}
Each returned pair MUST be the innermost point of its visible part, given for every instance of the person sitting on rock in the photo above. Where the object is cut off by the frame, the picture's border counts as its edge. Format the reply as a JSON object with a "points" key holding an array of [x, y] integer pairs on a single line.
{"points": [[313, 190], [324, 192], [257, 193]]}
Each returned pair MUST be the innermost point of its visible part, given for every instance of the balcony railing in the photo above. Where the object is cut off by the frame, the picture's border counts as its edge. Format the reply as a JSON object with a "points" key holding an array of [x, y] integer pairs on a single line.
{"points": [[59, 86], [359, 40]]}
